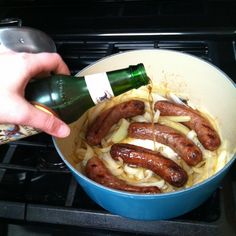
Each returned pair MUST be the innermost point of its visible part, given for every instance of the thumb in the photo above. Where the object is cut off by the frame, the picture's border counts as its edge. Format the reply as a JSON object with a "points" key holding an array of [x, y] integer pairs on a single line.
{"points": [[47, 122]]}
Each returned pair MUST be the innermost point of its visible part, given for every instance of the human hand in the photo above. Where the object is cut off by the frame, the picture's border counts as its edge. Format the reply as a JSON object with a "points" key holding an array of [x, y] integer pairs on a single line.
{"points": [[16, 70]]}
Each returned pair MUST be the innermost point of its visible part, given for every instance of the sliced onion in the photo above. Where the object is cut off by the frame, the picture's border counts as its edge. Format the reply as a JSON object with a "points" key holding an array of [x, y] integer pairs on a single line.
{"points": [[121, 132], [222, 160], [139, 118], [114, 166], [156, 116], [148, 174], [137, 172], [89, 154], [160, 184], [176, 99], [177, 118], [105, 149], [175, 125], [147, 117]]}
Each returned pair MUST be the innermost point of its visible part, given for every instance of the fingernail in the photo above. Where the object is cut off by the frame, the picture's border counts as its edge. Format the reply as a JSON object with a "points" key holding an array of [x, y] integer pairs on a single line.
{"points": [[63, 131]]}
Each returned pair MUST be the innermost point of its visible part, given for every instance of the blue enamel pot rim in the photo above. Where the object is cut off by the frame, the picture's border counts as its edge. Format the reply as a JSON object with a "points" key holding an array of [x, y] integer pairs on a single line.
{"points": [[150, 196]]}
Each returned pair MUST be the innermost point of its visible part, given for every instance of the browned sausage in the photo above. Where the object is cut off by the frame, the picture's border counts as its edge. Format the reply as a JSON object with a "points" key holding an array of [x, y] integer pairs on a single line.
{"points": [[102, 124], [183, 146], [207, 135], [97, 171], [162, 166]]}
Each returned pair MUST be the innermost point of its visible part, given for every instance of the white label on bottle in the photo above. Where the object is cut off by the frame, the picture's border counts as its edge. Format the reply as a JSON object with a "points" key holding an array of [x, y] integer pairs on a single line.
{"points": [[99, 87]]}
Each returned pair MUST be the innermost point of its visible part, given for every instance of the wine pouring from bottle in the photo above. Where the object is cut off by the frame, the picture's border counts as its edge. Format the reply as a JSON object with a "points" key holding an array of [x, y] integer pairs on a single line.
{"points": [[68, 97]]}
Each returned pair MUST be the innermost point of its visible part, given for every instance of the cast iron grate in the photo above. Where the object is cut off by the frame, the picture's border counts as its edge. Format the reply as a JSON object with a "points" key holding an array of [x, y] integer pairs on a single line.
{"points": [[79, 54]]}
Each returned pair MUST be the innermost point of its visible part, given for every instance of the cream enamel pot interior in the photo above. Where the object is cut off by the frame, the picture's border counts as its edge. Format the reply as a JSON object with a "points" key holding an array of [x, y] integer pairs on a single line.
{"points": [[207, 87]]}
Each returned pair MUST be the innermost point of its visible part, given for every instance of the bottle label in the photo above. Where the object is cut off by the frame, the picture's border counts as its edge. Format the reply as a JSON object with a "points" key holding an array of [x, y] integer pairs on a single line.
{"points": [[12, 132], [99, 87]]}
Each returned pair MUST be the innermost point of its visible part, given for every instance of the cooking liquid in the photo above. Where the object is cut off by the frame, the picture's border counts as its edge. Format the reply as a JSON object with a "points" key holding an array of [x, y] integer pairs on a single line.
{"points": [[151, 106]]}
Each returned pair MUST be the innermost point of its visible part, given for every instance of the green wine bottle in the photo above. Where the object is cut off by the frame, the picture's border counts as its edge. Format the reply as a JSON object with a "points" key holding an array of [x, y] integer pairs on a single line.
{"points": [[69, 96]]}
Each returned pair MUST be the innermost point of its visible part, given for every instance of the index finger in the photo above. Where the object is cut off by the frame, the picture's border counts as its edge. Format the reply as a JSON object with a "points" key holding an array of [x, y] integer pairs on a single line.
{"points": [[45, 62]]}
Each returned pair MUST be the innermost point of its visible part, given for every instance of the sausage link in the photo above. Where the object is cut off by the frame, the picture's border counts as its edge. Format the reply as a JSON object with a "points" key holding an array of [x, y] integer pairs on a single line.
{"points": [[160, 165], [97, 171], [207, 135], [183, 146], [102, 124]]}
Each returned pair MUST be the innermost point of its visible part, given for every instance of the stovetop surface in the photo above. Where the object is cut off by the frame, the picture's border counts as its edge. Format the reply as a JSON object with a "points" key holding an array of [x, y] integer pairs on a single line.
{"points": [[38, 195]]}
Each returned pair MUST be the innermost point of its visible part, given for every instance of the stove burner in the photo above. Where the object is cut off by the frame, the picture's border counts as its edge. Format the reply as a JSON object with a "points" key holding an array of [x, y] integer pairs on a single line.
{"points": [[50, 160]]}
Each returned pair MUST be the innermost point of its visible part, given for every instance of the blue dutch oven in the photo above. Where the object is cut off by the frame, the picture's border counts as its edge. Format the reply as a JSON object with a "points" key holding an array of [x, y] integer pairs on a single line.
{"points": [[205, 86]]}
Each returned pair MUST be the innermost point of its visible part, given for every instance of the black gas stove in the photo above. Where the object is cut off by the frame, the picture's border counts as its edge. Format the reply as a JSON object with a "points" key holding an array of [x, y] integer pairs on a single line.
{"points": [[38, 194]]}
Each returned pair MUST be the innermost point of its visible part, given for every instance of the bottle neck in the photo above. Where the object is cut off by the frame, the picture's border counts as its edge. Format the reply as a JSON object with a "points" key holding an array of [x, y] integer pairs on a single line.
{"points": [[124, 80], [139, 75]]}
